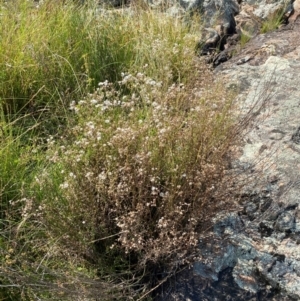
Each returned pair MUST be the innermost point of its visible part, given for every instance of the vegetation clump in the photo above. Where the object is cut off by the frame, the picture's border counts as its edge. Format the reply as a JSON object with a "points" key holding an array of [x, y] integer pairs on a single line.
{"points": [[274, 21], [113, 149]]}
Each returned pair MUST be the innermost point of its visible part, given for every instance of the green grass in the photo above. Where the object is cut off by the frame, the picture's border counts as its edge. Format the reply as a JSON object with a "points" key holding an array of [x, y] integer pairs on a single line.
{"points": [[273, 21], [56, 51], [244, 39], [62, 52], [113, 137]]}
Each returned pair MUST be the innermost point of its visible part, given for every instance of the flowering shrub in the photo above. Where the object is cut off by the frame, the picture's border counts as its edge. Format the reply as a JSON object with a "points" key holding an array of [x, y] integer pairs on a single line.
{"points": [[139, 169]]}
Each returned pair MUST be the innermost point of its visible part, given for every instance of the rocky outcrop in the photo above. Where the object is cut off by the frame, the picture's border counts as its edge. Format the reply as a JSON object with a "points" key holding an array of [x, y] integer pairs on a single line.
{"points": [[267, 71], [240, 18], [258, 245], [265, 8]]}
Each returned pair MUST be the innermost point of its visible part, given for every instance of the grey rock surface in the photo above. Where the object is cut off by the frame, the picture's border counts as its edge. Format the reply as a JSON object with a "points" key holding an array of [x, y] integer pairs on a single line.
{"points": [[264, 8], [266, 250], [258, 245]]}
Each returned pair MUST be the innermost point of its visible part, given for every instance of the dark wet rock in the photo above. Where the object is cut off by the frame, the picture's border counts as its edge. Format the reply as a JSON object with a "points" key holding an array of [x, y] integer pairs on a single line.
{"points": [[256, 204], [227, 49], [266, 228], [113, 3], [187, 286], [224, 257], [270, 258], [296, 136], [211, 41], [291, 206]]}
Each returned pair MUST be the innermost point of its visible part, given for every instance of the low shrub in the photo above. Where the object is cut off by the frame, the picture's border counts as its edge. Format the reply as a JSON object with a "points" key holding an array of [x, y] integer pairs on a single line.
{"points": [[137, 173]]}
